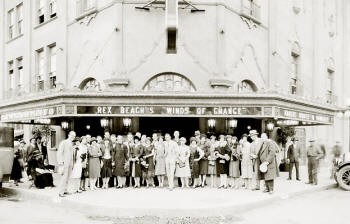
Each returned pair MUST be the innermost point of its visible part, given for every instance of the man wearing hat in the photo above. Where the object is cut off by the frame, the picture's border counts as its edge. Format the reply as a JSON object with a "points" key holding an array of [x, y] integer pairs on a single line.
{"points": [[337, 152], [255, 148], [314, 154], [293, 158]]}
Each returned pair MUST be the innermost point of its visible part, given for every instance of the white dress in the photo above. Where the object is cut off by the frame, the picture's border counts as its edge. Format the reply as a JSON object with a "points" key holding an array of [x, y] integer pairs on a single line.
{"points": [[77, 167], [247, 163], [184, 156]]}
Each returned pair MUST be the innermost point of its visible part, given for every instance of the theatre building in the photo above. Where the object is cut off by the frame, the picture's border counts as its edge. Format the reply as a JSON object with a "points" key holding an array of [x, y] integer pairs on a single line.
{"points": [[158, 66]]}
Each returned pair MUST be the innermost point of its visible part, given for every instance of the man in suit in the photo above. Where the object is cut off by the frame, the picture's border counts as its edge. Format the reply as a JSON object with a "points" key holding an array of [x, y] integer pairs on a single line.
{"points": [[65, 161], [254, 148], [293, 158], [267, 157], [314, 154]]}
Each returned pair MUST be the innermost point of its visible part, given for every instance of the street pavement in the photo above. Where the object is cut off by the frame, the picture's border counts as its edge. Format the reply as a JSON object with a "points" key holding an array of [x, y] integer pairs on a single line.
{"points": [[143, 205]]}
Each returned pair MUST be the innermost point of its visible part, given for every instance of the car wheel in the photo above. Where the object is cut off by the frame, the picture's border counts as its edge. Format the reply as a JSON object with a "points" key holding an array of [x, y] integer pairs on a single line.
{"points": [[343, 178]]}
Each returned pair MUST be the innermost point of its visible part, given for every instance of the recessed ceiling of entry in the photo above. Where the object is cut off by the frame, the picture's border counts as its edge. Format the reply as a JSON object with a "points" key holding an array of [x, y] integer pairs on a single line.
{"points": [[169, 82]]}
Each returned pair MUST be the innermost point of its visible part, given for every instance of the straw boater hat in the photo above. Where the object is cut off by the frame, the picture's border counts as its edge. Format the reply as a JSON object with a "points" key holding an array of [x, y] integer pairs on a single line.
{"points": [[183, 139], [253, 132], [197, 133]]}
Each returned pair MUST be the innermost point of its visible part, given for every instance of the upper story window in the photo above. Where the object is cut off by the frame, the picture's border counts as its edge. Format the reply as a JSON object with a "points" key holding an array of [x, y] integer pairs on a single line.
{"points": [[41, 11], [40, 69], [52, 8], [11, 24], [294, 74], [85, 7], [329, 86], [11, 74], [52, 69], [251, 10], [20, 72], [247, 86], [90, 84], [19, 10], [169, 82]]}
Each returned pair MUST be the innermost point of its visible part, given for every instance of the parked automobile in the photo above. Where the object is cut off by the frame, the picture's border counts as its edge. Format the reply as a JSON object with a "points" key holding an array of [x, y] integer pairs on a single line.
{"points": [[6, 153], [342, 175]]}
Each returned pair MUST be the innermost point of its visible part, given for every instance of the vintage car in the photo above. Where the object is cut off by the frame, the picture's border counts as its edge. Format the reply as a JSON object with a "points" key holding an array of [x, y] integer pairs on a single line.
{"points": [[342, 174], [6, 153]]}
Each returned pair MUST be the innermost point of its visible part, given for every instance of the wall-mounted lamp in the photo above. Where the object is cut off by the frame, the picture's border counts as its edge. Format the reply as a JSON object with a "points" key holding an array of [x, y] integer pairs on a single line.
{"points": [[65, 125], [249, 127], [104, 122], [232, 123], [211, 123], [270, 125], [88, 127], [127, 122]]}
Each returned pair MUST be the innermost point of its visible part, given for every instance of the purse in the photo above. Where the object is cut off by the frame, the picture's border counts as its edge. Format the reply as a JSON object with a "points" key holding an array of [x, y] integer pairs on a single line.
{"points": [[181, 164]]}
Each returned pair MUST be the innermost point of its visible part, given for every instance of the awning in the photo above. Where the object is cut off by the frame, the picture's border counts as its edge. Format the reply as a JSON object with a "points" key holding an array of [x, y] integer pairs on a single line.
{"points": [[126, 104]]}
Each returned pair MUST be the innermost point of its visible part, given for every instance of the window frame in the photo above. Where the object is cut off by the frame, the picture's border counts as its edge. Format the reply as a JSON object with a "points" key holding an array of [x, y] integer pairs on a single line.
{"points": [[11, 75], [11, 17], [52, 72], [40, 69], [20, 18], [41, 11], [20, 72], [52, 5]]}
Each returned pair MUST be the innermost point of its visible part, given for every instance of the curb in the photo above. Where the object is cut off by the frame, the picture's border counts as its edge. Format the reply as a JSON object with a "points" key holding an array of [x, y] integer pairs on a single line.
{"points": [[162, 213]]}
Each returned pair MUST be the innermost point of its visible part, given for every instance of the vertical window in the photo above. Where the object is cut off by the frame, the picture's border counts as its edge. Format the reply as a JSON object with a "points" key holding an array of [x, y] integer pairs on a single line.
{"points": [[11, 75], [41, 11], [329, 86], [53, 8], [84, 6], [19, 10], [20, 72], [53, 139], [40, 65], [52, 70], [294, 73], [11, 23]]}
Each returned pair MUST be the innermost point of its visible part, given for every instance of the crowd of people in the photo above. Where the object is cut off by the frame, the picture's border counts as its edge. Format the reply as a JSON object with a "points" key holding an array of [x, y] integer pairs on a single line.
{"points": [[89, 162], [138, 160]]}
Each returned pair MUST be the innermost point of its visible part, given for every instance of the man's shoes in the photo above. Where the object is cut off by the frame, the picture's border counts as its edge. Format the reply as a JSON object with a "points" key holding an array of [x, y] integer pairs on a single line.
{"points": [[266, 191], [256, 189], [61, 195], [315, 184], [67, 193], [289, 178], [308, 183], [270, 192], [298, 179]]}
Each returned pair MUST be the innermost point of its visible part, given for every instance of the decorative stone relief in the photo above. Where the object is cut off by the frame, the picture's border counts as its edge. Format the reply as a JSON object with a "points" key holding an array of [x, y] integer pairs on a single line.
{"points": [[169, 82]]}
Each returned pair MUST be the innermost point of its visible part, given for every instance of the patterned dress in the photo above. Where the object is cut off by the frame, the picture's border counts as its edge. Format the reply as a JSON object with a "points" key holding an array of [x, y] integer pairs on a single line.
{"points": [[160, 158], [184, 156], [94, 161], [136, 151], [222, 164], [149, 171], [234, 161], [203, 163]]}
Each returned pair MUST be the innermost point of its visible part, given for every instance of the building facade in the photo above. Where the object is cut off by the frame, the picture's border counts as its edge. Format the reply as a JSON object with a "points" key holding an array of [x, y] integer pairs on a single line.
{"points": [[217, 66]]}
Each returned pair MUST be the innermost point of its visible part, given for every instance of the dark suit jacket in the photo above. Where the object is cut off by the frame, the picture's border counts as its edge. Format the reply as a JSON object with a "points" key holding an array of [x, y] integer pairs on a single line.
{"points": [[294, 153]]}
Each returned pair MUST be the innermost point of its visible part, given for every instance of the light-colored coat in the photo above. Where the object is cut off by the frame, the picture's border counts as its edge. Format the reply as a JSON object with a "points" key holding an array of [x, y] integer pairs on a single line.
{"points": [[65, 153]]}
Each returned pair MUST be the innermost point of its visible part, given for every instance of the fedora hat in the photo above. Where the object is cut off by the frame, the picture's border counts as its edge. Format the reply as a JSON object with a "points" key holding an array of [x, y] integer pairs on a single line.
{"points": [[253, 132]]}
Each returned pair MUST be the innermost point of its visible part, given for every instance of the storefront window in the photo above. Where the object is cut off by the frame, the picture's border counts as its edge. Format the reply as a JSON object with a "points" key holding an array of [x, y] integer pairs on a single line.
{"points": [[169, 82]]}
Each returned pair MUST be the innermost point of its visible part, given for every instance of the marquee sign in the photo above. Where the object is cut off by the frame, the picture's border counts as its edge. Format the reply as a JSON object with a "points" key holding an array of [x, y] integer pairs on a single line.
{"points": [[31, 114], [169, 110], [305, 116]]}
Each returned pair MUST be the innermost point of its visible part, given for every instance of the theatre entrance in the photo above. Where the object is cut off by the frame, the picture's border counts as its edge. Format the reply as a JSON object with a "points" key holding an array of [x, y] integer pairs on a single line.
{"points": [[185, 125]]}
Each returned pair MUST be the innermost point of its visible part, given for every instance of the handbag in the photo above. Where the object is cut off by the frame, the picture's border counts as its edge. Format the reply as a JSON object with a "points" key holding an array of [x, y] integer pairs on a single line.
{"points": [[181, 164]]}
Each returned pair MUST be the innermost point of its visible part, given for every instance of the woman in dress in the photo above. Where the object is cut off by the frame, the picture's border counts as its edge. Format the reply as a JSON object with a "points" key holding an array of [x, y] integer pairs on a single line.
{"points": [[77, 166], [83, 148], [196, 155], [222, 160], [148, 160], [106, 171], [120, 159], [183, 164], [94, 162], [212, 160], [235, 155], [246, 164], [136, 152], [16, 172], [159, 157], [203, 163]]}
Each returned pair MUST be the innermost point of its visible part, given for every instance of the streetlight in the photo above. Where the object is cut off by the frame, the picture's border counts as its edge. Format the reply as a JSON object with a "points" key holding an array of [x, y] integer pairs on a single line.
{"points": [[231, 124], [127, 123], [270, 126]]}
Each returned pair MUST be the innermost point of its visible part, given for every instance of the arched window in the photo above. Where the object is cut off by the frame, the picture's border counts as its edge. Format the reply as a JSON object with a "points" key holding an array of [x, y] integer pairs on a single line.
{"points": [[90, 84], [247, 86], [169, 82]]}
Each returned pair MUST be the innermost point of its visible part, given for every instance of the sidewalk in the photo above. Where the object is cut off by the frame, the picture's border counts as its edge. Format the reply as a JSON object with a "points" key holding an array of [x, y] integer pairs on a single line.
{"points": [[179, 202]]}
